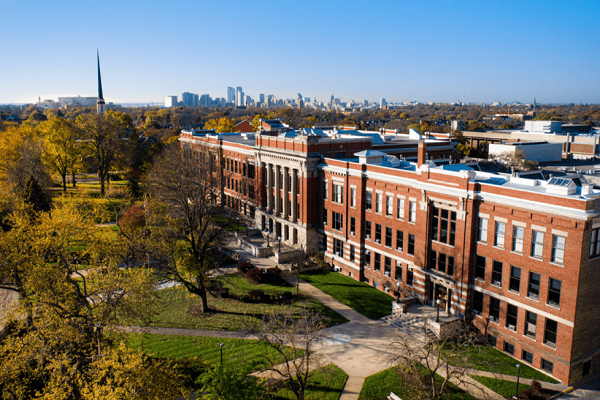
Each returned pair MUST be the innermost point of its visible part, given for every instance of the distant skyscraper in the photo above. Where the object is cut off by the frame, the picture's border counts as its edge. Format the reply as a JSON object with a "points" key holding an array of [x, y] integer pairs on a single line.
{"points": [[261, 98], [100, 102], [383, 103], [170, 101], [205, 101], [239, 96], [189, 99], [230, 95]]}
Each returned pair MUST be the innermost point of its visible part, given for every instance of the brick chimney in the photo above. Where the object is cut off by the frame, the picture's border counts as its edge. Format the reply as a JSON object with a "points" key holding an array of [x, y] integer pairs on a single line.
{"points": [[421, 153]]}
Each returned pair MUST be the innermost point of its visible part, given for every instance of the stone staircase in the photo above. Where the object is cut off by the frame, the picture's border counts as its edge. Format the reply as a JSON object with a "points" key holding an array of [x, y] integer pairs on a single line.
{"points": [[410, 323]]}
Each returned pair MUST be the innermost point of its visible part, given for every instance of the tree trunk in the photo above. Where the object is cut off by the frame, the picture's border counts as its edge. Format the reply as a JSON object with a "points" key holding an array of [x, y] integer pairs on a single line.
{"points": [[101, 176], [73, 178], [64, 179], [203, 300]]}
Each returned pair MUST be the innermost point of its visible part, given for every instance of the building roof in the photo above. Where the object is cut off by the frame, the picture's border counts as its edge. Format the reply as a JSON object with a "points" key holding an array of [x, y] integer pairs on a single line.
{"points": [[370, 153]]}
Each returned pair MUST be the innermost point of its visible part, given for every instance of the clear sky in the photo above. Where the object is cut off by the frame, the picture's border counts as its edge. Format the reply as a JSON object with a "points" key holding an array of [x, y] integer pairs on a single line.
{"points": [[474, 51]]}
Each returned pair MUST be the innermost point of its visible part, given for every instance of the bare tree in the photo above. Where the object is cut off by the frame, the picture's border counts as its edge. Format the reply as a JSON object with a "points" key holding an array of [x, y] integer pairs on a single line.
{"points": [[516, 161], [425, 356], [188, 183], [296, 339]]}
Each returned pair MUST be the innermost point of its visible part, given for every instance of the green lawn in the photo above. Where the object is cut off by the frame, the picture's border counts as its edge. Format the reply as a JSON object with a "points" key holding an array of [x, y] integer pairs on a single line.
{"points": [[379, 386], [237, 353], [233, 314], [503, 388], [327, 383], [487, 358], [370, 302]]}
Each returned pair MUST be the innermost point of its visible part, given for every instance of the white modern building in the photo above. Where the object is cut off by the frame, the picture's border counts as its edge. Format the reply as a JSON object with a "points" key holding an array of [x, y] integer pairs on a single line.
{"points": [[170, 101]]}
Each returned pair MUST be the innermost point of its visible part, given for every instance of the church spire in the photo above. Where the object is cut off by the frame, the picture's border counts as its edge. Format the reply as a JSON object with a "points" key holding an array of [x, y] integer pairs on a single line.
{"points": [[100, 101]]}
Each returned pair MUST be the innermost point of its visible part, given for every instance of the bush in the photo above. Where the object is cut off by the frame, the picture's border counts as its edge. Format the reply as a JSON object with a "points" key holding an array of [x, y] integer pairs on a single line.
{"points": [[254, 275], [272, 275], [256, 295], [244, 266]]}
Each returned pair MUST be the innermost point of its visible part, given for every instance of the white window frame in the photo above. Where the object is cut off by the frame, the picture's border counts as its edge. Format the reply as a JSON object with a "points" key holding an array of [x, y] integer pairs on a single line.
{"points": [[412, 211], [499, 234], [517, 245], [537, 244], [400, 209], [483, 230], [558, 249]]}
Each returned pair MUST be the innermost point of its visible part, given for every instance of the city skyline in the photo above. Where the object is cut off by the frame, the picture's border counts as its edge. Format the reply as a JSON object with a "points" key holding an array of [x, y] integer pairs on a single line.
{"points": [[400, 51]]}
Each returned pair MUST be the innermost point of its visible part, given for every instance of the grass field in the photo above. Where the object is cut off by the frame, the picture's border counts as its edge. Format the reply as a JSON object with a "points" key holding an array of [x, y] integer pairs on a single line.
{"points": [[379, 386], [487, 358], [370, 302], [503, 388], [232, 314], [327, 383], [237, 353]]}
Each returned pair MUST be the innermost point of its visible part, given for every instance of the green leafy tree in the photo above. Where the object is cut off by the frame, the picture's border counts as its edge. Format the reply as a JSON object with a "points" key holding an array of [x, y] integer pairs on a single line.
{"points": [[62, 151], [226, 383], [35, 196], [103, 135]]}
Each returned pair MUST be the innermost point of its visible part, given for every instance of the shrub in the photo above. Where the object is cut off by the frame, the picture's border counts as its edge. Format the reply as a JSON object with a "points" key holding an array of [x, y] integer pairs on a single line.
{"points": [[256, 295], [272, 274], [244, 267], [254, 275]]}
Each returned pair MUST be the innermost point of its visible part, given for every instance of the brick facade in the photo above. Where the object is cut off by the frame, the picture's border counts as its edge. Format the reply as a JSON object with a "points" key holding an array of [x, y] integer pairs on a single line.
{"points": [[503, 251]]}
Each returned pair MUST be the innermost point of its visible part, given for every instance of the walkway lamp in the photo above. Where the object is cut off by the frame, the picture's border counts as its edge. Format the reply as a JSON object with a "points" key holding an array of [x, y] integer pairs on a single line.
{"points": [[279, 238], [518, 376], [437, 319], [221, 346], [487, 322]]}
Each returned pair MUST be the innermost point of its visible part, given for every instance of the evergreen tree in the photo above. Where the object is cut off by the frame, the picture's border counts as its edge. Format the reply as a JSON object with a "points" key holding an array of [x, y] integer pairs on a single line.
{"points": [[35, 196], [135, 164]]}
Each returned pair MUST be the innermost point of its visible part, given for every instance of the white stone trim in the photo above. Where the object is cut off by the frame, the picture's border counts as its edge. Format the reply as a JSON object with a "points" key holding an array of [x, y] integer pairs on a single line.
{"points": [[560, 233], [538, 228], [520, 224], [500, 219]]}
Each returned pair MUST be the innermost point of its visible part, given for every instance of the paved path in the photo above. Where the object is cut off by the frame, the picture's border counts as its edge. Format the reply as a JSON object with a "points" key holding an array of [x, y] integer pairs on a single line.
{"points": [[559, 387]]}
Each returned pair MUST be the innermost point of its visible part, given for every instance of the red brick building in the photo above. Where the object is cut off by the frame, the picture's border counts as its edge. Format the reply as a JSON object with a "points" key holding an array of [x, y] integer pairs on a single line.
{"points": [[519, 256]]}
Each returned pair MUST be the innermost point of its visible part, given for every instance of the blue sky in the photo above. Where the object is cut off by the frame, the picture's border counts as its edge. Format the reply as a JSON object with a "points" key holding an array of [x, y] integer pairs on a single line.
{"points": [[475, 51]]}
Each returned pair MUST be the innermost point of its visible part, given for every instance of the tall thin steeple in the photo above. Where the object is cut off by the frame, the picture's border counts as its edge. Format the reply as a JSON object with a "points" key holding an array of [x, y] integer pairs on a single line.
{"points": [[100, 102]]}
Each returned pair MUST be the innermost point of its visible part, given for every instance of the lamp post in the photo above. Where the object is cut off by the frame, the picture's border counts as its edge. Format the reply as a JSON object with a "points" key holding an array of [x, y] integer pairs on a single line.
{"points": [[247, 223], [237, 220], [518, 376], [437, 302], [279, 238], [267, 238], [221, 346]]}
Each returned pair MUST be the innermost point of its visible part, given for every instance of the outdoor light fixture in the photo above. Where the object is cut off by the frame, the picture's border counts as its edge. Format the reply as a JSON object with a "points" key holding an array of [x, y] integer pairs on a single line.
{"points": [[518, 376], [279, 238], [437, 319], [221, 346]]}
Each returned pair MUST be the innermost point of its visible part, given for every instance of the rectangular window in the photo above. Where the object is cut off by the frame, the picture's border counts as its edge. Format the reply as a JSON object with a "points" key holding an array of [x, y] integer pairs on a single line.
{"points": [[325, 217], [352, 197], [497, 273], [368, 258], [547, 366], [480, 268], [325, 190], [595, 243], [499, 235], [377, 233], [398, 275], [368, 229], [338, 195], [515, 279], [388, 237], [409, 277], [433, 260], [530, 324], [527, 356], [478, 302], [554, 292], [412, 211], [411, 245], [399, 240], [387, 266], [352, 225], [450, 271], [337, 221], [509, 348], [537, 244], [442, 263], [338, 247], [378, 205], [494, 309], [512, 313], [352, 251], [377, 265], [369, 201], [533, 290], [483, 228], [558, 249], [518, 232], [400, 208], [389, 205], [550, 332], [444, 225]]}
